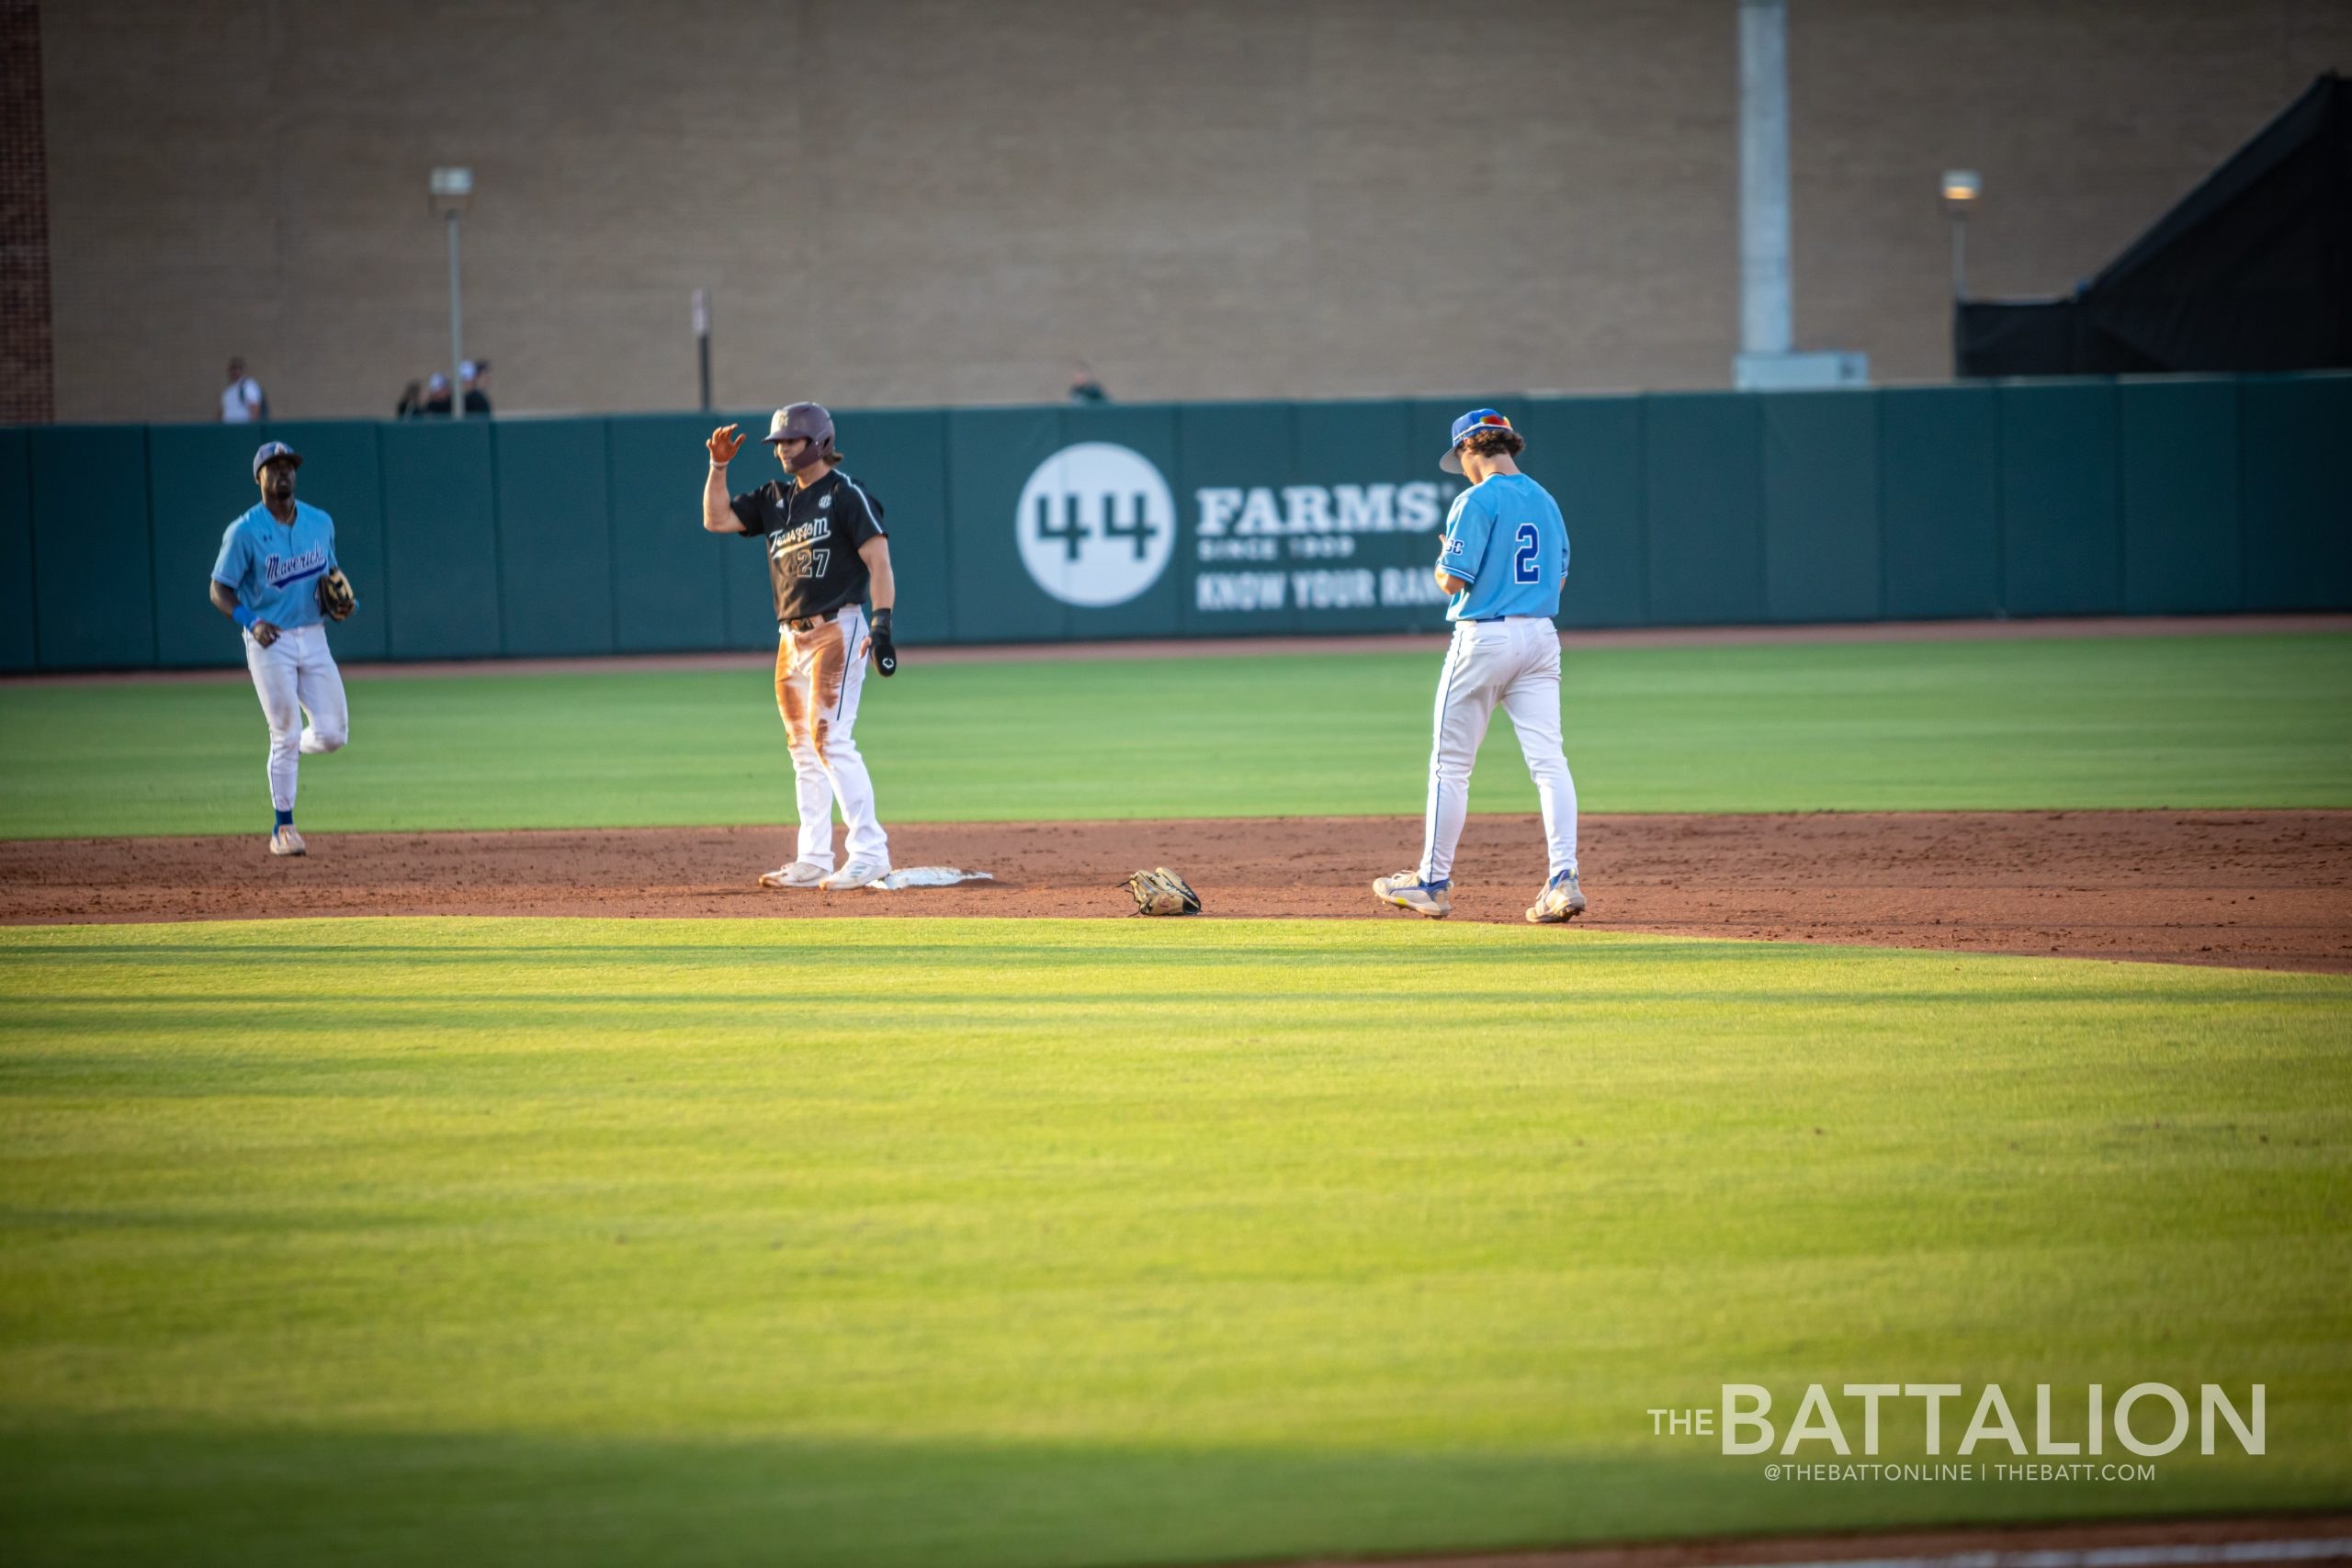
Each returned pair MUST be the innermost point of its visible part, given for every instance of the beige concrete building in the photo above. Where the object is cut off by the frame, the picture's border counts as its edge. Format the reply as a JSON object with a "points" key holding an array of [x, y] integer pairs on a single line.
{"points": [[927, 201]]}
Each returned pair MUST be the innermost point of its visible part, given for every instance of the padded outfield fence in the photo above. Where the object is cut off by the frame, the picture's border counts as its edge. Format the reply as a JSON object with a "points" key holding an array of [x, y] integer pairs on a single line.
{"points": [[582, 536]]}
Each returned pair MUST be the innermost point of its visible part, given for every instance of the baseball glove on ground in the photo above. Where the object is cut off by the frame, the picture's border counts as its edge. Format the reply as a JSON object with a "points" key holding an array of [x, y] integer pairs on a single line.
{"points": [[336, 601], [1162, 892]]}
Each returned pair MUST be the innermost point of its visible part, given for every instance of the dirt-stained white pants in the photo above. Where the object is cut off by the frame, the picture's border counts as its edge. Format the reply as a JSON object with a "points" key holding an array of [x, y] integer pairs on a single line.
{"points": [[296, 675], [1515, 662], [819, 675]]}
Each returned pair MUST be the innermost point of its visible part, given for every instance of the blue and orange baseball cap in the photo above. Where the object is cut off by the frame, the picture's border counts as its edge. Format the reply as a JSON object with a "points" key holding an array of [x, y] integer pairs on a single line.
{"points": [[271, 451], [1477, 419]]}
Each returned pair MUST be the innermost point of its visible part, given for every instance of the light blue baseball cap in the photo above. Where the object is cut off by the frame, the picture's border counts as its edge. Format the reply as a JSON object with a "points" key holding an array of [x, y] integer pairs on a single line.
{"points": [[274, 449]]}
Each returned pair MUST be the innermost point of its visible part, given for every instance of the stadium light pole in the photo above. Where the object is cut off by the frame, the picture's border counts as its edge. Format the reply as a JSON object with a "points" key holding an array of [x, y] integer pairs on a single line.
{"points": [[452, 191], [1961, 187], [701, 340]]}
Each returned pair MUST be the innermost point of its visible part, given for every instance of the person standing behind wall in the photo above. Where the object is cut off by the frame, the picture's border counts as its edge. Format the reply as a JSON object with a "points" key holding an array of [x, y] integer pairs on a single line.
{"points": [[242, 401]]}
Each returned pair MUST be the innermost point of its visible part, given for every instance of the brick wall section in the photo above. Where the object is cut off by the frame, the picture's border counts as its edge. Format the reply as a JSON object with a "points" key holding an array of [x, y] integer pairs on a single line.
{"points": [[25, 367], [923, 201]]}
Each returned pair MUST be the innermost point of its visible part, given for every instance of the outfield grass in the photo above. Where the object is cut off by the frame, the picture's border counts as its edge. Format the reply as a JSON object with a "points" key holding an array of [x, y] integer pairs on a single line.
{"points": [[2205, 721], [1058, 1242]]}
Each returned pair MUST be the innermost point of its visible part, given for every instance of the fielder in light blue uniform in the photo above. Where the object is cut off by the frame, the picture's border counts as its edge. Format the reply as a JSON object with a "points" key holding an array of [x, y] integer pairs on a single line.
{"points": [[1502, 561], [266, 579], [1506, 543]]}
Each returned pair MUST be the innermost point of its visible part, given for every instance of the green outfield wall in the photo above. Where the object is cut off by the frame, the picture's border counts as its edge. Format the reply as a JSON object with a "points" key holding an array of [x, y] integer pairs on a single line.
{"points": [[529, 538]]}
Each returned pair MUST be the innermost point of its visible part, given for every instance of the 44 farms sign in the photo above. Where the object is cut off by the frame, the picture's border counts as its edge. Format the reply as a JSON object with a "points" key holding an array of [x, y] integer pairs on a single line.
{"points": [[1097, 526]]}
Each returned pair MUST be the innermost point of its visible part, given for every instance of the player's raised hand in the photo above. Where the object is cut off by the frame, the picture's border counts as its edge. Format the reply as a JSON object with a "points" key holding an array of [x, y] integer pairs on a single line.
{"points": [[724, 443]]}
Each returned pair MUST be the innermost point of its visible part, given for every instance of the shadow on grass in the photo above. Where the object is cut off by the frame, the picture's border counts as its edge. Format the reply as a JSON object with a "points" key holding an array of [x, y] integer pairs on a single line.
{"points": [[197, 1496], [1256, 1006]]}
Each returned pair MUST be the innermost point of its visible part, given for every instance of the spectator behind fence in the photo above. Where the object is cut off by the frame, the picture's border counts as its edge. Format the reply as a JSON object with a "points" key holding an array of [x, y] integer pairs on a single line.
{"points": [[436, 404], [411, 403], [477, 378], [242, 401], [1083, 387]]}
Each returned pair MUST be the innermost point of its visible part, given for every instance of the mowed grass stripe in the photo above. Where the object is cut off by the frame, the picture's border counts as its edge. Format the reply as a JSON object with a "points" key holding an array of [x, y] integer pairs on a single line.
{"points": [[2237, 721], [1063, 1242]]}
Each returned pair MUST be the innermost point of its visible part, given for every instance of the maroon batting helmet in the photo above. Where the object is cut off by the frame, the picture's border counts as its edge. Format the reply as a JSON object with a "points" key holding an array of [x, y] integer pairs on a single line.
{"points": [[809, 422]]}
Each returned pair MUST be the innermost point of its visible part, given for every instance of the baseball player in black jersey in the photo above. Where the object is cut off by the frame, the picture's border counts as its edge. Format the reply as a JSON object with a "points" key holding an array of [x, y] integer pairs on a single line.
{"points": [[826, 548]]}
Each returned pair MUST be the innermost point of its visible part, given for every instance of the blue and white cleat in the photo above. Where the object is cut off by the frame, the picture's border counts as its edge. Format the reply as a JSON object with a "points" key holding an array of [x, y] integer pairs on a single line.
{"points": [[1562, 900], [287, 841], [1408, 891]]}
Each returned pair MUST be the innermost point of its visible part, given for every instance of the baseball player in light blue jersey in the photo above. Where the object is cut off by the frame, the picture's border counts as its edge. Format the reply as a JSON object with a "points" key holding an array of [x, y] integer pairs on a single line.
{"points": [[1503, 562], [276, 576]]}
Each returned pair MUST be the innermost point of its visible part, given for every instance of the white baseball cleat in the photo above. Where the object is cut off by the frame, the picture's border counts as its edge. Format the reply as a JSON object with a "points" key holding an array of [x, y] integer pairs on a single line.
{"points": [[287, 841], [799, 874], [1562, 900], [1408, 891], [856, 874]]}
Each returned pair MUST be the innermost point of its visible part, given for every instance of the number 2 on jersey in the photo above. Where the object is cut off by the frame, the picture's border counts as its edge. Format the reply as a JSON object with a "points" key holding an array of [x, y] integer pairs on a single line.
{"points": [[1524, 567]]}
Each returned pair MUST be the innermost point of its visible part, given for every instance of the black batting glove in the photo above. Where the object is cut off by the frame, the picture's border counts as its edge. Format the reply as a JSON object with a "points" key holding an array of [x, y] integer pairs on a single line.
{"points": [[885, 652]]}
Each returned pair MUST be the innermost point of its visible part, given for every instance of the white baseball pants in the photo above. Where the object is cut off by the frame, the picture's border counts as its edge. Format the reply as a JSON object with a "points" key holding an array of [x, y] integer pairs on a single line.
{"points": [[819, 675], [1515, 662], [296, 675]]}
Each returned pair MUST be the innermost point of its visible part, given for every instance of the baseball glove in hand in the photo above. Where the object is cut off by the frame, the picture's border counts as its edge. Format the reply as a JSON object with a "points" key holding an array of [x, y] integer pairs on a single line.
{"points": [[336, 601], [1162, 892]]}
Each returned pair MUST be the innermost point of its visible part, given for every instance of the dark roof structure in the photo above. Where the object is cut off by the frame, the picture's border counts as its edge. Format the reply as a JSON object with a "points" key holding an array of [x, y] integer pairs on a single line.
{"points": [[2252, 271]]}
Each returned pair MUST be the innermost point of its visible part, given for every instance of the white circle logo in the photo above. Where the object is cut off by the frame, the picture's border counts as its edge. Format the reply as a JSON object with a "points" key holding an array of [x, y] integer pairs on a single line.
{"points": [[1097, 524]]}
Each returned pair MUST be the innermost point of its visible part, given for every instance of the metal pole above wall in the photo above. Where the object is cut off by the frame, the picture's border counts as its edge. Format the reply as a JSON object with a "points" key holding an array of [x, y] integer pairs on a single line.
{"points": [[1764, 309], [457, 330], [1961, 188], [701, 340], [1767, 357], [452, 192]]}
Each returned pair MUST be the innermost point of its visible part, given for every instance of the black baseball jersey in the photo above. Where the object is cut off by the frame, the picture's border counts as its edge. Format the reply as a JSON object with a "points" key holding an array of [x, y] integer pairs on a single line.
{"points": [[813, 536]]}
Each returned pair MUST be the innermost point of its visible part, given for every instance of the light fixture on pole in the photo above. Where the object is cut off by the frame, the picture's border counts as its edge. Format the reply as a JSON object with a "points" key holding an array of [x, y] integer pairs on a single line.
{"points": [[1961, 187], [452, 192]]}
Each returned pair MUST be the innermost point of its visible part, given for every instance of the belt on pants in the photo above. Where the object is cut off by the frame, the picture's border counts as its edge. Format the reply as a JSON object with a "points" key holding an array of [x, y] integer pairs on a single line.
{"points": [[812, 621]]}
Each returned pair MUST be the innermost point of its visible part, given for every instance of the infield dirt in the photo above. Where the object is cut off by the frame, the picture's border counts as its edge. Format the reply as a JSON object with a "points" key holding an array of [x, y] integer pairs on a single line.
{"points": [[2263, 889], [2309, 1538]]}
